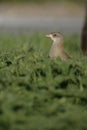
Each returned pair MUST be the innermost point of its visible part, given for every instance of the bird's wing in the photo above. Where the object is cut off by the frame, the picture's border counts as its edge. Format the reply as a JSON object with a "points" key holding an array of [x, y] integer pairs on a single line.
{"points": [[64, 56]]}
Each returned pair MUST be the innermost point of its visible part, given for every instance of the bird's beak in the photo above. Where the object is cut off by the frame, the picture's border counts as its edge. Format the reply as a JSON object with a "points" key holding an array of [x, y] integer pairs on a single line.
{"points": [[47, 35]]}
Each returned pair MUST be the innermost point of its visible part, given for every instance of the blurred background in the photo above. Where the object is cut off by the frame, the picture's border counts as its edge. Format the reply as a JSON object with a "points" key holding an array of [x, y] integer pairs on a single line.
{"points": [[32, 16]]}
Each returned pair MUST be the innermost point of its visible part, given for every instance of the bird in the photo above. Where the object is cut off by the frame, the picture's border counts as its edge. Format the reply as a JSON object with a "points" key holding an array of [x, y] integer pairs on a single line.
{"points": [[57, 48]]}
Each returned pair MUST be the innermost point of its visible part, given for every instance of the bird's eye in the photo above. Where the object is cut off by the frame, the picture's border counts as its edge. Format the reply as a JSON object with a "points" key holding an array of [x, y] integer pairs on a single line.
{"points": [[54, 35]]}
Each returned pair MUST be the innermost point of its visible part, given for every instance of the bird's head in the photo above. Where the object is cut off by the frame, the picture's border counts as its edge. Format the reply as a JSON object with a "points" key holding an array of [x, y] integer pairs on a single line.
{"points": [[55, 36]]}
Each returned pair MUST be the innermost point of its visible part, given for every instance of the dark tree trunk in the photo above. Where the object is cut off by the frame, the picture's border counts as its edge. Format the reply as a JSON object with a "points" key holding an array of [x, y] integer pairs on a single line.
{"points": [[84, 36]]}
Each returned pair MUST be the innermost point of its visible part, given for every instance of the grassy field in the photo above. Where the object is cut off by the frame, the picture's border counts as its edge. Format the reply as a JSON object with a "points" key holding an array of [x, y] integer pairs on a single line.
{"points": [[39, 93], [43, 1]]}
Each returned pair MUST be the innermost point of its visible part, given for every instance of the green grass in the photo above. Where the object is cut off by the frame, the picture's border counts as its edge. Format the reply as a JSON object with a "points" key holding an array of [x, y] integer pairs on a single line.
{"points": [[39, 93], [43, 1]]}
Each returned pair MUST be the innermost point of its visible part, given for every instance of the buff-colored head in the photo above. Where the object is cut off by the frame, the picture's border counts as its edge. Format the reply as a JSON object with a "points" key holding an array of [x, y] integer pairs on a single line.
{"points": [[55, 36]]}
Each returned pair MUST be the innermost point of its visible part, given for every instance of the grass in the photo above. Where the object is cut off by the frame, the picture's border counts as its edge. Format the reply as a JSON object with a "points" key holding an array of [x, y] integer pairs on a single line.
{"points": [[41, 1], [39, 93]]}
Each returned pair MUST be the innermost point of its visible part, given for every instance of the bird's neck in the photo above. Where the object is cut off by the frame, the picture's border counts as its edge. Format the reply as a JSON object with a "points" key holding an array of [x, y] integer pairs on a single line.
{"points": [[56, 41]]}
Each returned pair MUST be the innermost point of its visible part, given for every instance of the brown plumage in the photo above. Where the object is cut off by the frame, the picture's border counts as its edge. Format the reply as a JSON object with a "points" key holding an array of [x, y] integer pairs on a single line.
{"points": [[57, 49]]}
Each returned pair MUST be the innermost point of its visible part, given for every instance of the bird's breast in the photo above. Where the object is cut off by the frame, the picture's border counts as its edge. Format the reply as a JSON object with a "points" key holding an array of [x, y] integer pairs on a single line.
{"points": [[54, 51]]}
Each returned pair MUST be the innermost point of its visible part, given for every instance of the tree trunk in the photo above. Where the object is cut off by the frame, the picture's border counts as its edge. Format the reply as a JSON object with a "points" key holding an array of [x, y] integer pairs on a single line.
{"points": [[84, 36]]}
